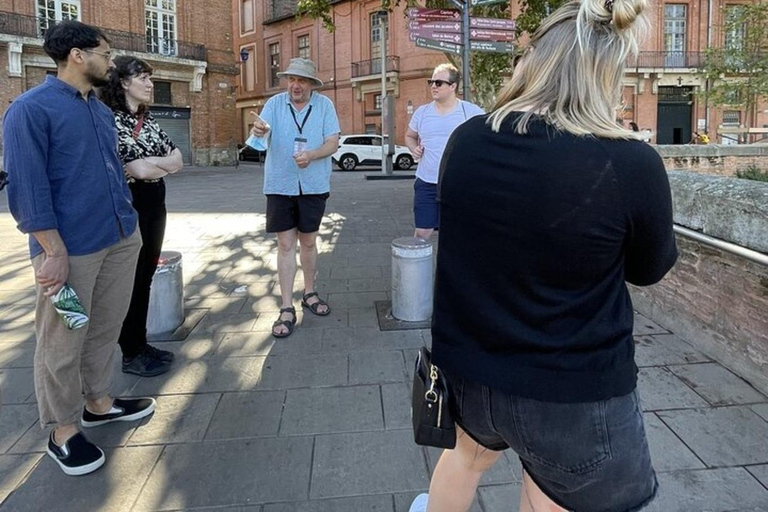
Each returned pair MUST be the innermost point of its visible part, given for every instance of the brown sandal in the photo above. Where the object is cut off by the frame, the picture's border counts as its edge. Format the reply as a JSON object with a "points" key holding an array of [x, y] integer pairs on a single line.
{"points": [[285, 323]]}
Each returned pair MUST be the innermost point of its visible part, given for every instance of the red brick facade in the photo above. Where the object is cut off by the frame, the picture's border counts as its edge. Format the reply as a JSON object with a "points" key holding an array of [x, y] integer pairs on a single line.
{"points": [[657, 84], [197, 62]]}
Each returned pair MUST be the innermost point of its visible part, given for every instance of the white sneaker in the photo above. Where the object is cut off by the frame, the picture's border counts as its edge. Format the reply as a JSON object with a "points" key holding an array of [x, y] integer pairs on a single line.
{"points": [[419, 504]]}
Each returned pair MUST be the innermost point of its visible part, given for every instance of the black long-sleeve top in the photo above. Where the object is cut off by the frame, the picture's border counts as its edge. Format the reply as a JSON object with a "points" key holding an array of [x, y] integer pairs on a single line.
{"points": [[538, 235]]}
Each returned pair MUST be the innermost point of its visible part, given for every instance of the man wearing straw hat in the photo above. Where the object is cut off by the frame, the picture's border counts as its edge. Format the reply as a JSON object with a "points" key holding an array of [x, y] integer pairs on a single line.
{"points": [[300, 130]]}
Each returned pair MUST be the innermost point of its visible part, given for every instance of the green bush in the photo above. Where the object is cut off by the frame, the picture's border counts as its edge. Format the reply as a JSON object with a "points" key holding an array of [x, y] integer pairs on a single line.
{"points": [[752, 173]]}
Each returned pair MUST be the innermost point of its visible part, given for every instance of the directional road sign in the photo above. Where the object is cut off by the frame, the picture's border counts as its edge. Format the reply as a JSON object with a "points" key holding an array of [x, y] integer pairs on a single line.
{"points": [[437, 36], [485, 46], [475, 3], [482, 34], [441, 46], [492, 23], [437, 26], [422, 14]]}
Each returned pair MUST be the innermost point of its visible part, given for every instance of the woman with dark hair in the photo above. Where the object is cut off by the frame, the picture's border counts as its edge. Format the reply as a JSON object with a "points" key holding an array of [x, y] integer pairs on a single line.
{"points": [[148, 154]]}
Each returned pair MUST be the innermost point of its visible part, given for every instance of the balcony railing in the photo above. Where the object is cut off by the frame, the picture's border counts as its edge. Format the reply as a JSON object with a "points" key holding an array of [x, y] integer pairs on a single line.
{"points": [[31, 26], [373, 66], [660, 60]]}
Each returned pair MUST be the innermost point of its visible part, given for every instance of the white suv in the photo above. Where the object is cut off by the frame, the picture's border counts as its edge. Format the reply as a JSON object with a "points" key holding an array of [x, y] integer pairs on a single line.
{"points": [[365, 149]]}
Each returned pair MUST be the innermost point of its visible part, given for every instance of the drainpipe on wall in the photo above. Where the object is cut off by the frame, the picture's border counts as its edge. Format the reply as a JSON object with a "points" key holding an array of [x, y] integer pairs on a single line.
{"points": [[706, 81]]}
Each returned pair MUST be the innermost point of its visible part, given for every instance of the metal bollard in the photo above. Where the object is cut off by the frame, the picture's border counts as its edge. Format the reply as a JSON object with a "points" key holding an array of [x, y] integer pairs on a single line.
{"points": [[412, 279], [166, 297]]}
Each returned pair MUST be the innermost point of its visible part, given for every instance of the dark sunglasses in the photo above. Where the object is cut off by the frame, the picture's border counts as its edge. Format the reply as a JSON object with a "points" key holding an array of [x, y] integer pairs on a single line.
{"points": [[438, 83]]}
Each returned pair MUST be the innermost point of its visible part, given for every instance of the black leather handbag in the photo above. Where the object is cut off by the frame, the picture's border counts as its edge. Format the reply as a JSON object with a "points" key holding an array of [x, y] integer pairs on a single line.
{"points": [[433, 423]]}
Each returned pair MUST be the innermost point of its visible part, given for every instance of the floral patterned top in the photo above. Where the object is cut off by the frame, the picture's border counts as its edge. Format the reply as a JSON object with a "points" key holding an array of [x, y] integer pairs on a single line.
{"points": [[151, 141]]}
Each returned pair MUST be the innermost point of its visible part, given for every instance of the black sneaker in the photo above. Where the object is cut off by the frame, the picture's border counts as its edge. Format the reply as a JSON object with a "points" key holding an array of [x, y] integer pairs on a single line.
{"points": [[160, 355], [78, 456], [123, 409], [144, 365]]}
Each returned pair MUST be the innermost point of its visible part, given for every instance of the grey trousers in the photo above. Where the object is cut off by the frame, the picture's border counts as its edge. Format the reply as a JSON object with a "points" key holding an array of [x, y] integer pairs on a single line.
{"points": [[74, 364]]}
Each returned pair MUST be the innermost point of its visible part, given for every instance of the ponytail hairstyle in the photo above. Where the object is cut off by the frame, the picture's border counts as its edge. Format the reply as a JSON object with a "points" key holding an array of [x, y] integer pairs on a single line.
{"points": [[572, 70]]}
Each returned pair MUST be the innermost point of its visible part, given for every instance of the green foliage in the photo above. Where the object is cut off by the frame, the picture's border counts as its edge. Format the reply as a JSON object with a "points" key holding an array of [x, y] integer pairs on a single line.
{"points": [[533, 13], [738, 70], [752, 173]]}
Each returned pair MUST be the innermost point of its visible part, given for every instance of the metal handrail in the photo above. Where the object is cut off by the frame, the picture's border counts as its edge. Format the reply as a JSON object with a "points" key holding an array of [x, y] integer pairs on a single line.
{"points": [[34, 27], [728, 247], [666, 60]]}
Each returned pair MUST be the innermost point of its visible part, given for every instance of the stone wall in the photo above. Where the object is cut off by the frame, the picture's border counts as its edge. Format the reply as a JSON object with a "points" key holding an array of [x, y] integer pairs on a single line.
{"points": [[714, 159], [715, 299]]}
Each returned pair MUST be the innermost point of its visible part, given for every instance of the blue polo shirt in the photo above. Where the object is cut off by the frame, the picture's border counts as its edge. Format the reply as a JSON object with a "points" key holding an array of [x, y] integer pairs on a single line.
{"points": [[63, 169], [281, 174]]}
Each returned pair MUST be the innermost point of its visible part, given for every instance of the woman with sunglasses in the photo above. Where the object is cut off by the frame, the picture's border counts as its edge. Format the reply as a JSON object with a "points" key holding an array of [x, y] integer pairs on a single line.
{"points": [[428, 131], [148, 154], [548, 207]]}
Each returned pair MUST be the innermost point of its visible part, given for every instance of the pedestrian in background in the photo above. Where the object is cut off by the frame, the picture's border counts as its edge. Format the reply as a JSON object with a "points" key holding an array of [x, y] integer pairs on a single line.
{"points": [[548, 208], [67, 191], [427, 134], [148, 155], [300, 130]]}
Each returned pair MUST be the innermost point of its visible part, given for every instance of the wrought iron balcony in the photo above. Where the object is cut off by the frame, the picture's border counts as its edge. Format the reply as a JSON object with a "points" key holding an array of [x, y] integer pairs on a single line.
{"points": [[661, 60], [373, 66], [31, 26]]}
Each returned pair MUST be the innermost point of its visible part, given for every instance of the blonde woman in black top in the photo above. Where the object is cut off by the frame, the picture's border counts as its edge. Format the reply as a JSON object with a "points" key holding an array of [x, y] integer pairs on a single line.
{"points": [[532, 318], [148, 155]]}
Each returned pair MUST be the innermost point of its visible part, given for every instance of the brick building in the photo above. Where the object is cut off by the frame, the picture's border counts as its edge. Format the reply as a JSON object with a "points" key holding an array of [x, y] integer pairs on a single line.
{"points": [[659, 84], [188, 44]]}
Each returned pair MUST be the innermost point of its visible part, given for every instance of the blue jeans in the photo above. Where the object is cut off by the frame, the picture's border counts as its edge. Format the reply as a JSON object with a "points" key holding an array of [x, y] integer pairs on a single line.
{"points": [[587, 457]]}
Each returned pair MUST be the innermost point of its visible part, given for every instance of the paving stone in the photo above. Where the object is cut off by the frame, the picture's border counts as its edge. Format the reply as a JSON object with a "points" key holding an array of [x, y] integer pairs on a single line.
{"points": [[113, 487], [760, 472], [668, 452], [500, 498], [717, 385], [15, 420], [403, 502], [225, 323], [113, 435], [247, 414], [192, 347], [363, 317], [367, 463], [13, 469], [396, 398], [682, 348], [355, 300], [761, 410], [380, 503], [304, 370], [370, 285], [329, 410], [206, 376], [660, 389], [649, 352], [241, 344], [712, 490], [356, 272], [217, 306], [338, 318], [17, 385], [17, 355], [177, 419], [727, 436], [376, 367], [243, 471], [370, 338], [644, 326]]}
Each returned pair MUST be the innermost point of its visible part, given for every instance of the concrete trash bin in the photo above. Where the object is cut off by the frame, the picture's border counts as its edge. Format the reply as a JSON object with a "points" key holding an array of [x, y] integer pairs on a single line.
{"points": [[166, 296], [412, 279]]}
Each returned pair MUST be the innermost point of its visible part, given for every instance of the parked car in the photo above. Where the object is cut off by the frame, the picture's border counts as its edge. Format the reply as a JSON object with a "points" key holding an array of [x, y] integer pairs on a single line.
{"points": [[247, 153], [365, 149]]}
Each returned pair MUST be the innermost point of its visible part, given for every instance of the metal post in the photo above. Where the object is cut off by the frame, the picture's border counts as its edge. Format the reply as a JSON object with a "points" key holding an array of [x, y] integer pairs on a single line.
{"points": [[383, 22], [465, 52], [412, 279]]}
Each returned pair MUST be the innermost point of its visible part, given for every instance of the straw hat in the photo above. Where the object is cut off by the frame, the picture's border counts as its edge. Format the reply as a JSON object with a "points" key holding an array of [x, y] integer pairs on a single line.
{"points": [[304, 68]]}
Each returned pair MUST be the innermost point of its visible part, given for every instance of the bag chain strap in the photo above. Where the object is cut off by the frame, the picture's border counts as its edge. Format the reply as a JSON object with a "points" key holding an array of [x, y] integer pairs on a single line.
{"points": [[431, 394]]}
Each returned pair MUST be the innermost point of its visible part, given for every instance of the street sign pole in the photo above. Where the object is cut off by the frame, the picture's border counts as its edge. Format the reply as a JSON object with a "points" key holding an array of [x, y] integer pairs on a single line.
{"points": [[386, 155], [465, 55]]}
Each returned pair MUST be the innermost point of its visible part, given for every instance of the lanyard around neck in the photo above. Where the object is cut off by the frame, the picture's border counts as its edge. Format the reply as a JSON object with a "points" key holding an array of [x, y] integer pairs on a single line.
{"points": [[300, 127]]}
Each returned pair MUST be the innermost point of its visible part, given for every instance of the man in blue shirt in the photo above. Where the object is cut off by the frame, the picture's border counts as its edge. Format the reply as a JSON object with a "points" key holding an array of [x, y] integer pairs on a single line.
{"points": [[67, 191], [301, 131]]}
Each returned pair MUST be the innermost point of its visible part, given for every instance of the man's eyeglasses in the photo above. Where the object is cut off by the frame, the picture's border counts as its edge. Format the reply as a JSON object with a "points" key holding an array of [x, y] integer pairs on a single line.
{"points": [[106, 55], [439, 83]]}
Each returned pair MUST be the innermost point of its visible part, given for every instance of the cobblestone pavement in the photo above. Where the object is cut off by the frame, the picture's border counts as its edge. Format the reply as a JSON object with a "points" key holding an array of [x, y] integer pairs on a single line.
{"points": [[319, 422]]}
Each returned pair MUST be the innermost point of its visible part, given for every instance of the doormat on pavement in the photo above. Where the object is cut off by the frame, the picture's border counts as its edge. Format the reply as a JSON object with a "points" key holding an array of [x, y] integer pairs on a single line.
{"points": [[389, 323], [192, 317]]}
